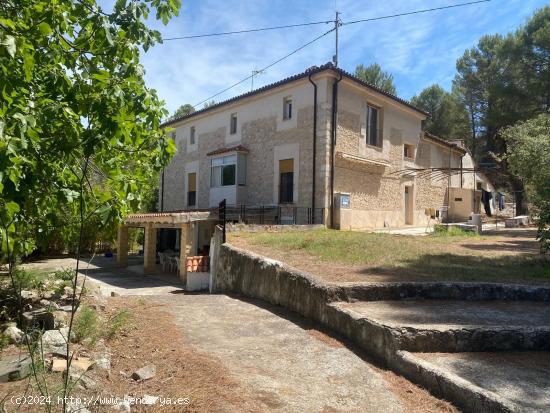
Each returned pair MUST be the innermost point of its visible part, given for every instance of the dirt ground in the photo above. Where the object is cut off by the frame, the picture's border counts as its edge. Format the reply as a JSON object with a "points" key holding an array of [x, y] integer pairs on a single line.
{"points": [[456, 260]]}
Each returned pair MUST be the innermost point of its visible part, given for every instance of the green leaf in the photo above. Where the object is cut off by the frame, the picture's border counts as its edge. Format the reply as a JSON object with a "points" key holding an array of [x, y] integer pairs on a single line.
{"points": [[9, 42], [45, 28]]}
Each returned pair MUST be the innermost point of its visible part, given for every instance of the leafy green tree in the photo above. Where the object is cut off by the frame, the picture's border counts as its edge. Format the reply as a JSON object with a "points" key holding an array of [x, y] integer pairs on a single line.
{"points": [[374, 75], [449, 118], [503, 80], [78, 126], [183, 110], [528, 155]]}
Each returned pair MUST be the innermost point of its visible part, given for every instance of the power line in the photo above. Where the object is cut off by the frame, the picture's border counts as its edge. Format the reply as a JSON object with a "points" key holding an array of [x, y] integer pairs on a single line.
{"points": [[263, 29], [267, 67], [414, 12], [337, 23]]}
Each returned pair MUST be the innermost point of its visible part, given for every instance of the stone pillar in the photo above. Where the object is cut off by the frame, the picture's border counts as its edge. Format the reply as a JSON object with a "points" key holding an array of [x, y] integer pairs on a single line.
{"points": [[194, 238], [150, 250], [122, 246], [183, 252]]}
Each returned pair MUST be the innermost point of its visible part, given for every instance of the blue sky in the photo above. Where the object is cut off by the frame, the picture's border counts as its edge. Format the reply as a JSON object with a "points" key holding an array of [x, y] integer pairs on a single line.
{"points": [[418, 50]]}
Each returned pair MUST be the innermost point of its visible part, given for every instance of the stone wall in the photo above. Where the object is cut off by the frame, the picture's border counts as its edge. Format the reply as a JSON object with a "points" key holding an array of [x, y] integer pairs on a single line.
{"points": [[377, 192]]}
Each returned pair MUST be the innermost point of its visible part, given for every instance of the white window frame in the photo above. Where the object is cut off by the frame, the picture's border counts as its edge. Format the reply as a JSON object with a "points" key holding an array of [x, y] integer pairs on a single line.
{"points": [[216, 166]]}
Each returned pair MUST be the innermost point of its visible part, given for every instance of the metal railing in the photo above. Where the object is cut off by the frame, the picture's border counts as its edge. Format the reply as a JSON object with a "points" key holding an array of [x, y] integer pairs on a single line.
{"points": [[270, 214]]}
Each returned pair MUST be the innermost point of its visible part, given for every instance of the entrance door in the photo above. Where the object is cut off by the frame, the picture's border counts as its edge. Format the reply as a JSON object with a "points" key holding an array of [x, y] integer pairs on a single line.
{"points": [[408, 205]]}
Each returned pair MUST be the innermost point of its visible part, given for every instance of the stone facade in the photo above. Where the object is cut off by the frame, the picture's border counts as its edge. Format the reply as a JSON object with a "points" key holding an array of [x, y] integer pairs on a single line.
{"points": [[372, 176]]}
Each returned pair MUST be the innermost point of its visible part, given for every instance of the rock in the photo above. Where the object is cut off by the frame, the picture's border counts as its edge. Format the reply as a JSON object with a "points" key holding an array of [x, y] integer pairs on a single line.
{"points": [[55, 341], [48, 295], [78, 366], [29, 297], [83, 380], [114, 294], [82, 363], [148, 400], [40, 318], [14, 335], [14, 367], [102, 359], [122, 406], [145, 373], [59, 365], [60, 319], [48, 304]]}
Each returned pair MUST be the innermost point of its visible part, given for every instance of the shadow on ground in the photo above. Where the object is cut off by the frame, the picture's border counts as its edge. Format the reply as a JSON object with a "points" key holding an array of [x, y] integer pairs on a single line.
{"points": [[456, 267]]}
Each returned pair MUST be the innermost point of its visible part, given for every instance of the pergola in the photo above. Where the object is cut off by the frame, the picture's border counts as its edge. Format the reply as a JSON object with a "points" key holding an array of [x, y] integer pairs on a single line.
{"points": [[151, 222]]}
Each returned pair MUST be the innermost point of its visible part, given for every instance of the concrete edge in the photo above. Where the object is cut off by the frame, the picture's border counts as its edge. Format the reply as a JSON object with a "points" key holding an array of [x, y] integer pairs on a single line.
{"points": [[449, 386]]}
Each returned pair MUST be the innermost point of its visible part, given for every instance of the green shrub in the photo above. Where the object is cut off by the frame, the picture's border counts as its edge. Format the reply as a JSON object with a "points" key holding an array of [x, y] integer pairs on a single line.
{"points": [[65, 274], [452, 231], [86, 326], [25, 280], [117, 323]]}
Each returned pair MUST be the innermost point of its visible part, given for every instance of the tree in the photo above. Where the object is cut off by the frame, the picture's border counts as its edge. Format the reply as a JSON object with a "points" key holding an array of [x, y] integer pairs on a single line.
{"points": [[183, 110], [374, 75], [80, 132], [528, 155], [211, 102], [74, 109], [503, 80], [448, 117]]}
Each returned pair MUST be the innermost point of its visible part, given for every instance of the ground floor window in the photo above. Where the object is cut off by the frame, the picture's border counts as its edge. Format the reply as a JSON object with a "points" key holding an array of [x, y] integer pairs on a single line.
{"points": [[286, 181]]}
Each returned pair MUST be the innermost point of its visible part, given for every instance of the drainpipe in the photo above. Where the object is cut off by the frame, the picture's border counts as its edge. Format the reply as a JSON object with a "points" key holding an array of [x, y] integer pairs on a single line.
{"points": [[334, 127], [162, 192], [314, 148]]}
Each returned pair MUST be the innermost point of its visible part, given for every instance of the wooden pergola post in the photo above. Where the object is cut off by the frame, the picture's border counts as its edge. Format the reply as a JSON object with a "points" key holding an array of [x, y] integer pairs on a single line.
{"points": [[150, 250], [183, 252], [122, 247]]}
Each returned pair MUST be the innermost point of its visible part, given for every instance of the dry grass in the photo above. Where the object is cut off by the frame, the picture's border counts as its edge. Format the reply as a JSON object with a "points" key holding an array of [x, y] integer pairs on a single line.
{"points": [[180, 370], [343, 256]]}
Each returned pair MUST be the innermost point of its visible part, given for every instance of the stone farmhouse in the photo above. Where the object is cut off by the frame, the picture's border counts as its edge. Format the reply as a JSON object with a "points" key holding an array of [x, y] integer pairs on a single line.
{"points": [[273, 147]]}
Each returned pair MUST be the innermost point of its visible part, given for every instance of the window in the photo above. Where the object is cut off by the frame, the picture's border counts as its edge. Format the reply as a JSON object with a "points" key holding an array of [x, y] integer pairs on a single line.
{"points": [[191, 189], [228, 170], [287, 108], [373, 131], [408, 151], [233, 124], [192, 135], [286, 181]]}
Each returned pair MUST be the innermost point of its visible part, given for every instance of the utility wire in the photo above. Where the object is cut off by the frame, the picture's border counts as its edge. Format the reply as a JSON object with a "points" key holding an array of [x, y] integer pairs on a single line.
{"points": [[267, 67], [317, 38], [414, 12], [263, 29]]}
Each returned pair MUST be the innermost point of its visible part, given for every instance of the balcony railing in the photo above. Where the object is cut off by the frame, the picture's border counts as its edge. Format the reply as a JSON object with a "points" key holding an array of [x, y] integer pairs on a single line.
{"points": [[274, 214]]}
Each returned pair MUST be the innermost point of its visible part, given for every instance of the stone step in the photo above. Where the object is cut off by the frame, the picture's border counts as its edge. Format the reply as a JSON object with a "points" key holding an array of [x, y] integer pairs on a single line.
{"points": [[444, 325], [482, 382]]}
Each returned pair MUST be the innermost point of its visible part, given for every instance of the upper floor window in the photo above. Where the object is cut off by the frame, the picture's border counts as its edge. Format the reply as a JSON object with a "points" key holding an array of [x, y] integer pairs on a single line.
{"points": [[287, 108], [408, 151], [233, 124], [228, 170], [192, 189], [192, 135], [373, 126]]}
